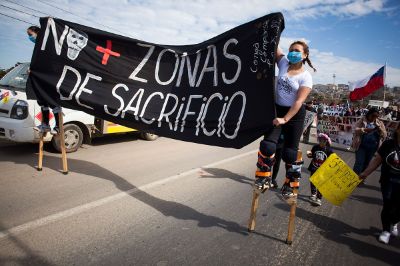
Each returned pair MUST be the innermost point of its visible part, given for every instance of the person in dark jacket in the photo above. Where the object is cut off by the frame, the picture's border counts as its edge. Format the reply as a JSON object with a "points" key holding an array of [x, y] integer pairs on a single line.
{"points": [[388, 156]]}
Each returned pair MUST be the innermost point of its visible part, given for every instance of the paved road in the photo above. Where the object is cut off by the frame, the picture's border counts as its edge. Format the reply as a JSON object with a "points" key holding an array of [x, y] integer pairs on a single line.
{"points": [[130, 202]]}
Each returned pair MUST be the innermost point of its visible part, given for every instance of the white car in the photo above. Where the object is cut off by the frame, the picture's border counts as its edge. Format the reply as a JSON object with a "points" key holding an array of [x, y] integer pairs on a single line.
{"points": [[19, 116]]}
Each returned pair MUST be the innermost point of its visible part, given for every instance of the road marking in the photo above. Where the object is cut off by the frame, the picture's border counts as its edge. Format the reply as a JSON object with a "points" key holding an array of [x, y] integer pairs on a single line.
{"points": [[85, 207]]}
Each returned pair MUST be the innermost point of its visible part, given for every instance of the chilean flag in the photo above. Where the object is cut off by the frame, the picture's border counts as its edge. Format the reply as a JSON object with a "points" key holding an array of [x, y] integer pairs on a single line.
{"points": [[362, 88]]}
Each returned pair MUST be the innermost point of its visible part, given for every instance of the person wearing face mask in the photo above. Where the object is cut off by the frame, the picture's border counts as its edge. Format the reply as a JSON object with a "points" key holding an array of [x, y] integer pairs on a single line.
{"points": [[293, 86], [33, 32]]}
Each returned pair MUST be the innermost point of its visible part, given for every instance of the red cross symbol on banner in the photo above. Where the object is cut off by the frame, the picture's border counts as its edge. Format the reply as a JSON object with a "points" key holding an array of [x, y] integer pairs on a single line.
{"points": [[39, 116], [107, 52]]}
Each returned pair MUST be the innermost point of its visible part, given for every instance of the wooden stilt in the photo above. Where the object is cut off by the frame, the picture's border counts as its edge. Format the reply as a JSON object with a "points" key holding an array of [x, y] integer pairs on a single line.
{"points": [[253, 211], [293, 204], [62, 143], [292, 215], [40, 163]]}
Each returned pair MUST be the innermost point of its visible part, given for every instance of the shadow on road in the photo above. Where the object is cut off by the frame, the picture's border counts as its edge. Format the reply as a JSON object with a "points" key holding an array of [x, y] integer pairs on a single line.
{"points": [[368, 200], [167, 208], [116, 138], [29, 257], [29, 148], [26, 154], [222, 173], [339, 232], [365, 186]]}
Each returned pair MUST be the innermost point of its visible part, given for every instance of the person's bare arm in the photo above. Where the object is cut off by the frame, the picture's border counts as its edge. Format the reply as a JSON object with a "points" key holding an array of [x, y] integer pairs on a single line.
{"points": [[279, 54]]}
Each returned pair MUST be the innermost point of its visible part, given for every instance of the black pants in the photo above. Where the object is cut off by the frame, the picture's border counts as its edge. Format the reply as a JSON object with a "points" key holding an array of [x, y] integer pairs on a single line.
{"points": [[314, 190], [45, 109], [390, 214], [306, 134], [292, 131], [277, 164]]}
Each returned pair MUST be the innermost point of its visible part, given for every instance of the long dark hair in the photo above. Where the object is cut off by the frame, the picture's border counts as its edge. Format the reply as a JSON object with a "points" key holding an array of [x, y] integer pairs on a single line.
{"points": [[306, 52], [35, 29]]}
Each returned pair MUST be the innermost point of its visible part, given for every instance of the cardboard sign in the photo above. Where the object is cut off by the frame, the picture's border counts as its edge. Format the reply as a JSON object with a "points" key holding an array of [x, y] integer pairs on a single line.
{"points": [[335, 180]]}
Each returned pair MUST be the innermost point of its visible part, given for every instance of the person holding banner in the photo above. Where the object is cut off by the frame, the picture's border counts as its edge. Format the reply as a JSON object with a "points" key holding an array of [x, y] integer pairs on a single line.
{"points": [[32, 32], [319, 153], [368, 135], [293, 86], [388, 156]]}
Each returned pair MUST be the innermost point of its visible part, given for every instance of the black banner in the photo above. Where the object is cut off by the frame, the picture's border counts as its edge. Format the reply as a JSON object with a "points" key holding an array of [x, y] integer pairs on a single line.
{"points": [[219, 92]]}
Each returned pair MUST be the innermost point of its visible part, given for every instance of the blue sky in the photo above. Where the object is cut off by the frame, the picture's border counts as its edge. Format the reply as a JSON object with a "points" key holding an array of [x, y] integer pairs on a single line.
{"points": [[348, 38]]}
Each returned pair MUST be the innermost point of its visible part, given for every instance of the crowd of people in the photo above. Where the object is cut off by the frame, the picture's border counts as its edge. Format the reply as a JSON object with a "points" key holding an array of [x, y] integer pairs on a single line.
{"points": [[346, 109]]}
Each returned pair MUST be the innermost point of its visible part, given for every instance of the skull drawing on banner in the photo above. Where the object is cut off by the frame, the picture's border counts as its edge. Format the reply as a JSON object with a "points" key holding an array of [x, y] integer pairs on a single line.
{"points": [[76, 42]]}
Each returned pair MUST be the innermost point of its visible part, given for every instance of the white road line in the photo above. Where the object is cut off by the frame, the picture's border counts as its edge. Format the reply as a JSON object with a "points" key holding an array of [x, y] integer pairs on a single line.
{"points": [[84, 207]]}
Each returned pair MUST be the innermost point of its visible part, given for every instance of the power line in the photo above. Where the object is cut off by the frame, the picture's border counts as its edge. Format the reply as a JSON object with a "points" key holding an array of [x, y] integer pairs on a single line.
{"points": [[69, 12], [27, 7], [17, 19], [19, 11]]}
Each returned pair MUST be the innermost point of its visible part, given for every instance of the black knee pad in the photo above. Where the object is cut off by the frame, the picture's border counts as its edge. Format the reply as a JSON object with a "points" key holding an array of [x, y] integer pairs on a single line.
{"points": [[267, 148]]}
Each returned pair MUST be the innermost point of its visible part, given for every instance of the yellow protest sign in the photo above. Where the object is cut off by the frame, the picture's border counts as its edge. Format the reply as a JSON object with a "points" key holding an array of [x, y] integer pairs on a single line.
{"points": [[335, 180]]}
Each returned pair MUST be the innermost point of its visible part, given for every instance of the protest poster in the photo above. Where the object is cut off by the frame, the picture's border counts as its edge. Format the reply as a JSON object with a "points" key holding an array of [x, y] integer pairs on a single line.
{"points": [[308, 120], [341, 128], [335, 180], [334, 110], [218, 92], [338, 128]]}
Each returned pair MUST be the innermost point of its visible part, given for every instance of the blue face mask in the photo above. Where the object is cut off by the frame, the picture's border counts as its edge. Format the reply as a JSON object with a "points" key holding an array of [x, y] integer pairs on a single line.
{"points": [[32, 38], [294, 57]]}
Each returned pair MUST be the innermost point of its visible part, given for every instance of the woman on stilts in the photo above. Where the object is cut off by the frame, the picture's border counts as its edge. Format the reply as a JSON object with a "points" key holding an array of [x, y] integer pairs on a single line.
{"points": [[293, 86]]}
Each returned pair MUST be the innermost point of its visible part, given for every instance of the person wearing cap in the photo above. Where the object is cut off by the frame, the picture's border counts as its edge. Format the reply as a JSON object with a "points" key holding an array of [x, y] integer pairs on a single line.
{"points": [[368, 135], [319, 153]]}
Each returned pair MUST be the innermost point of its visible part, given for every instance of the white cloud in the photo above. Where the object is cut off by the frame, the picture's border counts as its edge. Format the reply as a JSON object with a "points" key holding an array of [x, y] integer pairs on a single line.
{"points": [[360, 8], [346, 69]]}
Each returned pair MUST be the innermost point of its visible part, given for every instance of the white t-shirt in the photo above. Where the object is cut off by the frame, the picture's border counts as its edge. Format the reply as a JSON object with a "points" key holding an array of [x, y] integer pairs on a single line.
{"points": [[287, 87]]}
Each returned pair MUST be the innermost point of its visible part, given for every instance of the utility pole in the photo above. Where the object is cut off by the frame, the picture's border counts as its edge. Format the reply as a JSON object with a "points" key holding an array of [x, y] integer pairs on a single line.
{"points": [[334, 76], [334, 86], [384, 92]]}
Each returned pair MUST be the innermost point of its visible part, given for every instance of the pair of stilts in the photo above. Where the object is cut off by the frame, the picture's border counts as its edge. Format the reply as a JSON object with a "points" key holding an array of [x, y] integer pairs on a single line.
{"points": [[292, 201], [61, 137]]}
